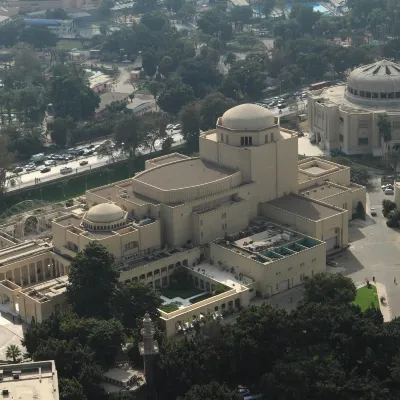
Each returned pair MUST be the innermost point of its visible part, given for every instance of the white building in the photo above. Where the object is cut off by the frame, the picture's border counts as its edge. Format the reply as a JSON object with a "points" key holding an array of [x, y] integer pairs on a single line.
{"points": [[345, 117], [29, 380]]}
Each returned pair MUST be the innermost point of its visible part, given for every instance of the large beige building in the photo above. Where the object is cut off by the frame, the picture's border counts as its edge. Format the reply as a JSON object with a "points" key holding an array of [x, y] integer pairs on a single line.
{"points": [[245, 213], [345, 117]]}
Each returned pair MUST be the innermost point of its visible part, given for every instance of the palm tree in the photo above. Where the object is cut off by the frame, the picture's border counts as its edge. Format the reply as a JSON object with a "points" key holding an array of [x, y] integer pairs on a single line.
{"points": [[385, 129], [13, 353]]}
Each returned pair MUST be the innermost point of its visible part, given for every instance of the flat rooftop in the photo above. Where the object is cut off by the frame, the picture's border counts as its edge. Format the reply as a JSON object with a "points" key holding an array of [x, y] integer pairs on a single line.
{"points": [[335, 95], [319, 192], [18, 251], [36, 380], [188, 173], [304, 207], [46, 290], [168, 158]]}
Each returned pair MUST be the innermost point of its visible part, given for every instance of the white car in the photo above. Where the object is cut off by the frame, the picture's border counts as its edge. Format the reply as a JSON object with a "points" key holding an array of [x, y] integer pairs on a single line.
{"points": [[65, 170], [170, 126], [30, 167], [49, 163], [389, 191], [373, 211]]}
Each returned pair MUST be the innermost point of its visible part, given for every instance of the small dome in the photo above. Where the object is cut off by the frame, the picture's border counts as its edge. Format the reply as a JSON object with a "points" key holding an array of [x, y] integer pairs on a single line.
{"points": [[382, 78], [249, 117], [105, 213]]}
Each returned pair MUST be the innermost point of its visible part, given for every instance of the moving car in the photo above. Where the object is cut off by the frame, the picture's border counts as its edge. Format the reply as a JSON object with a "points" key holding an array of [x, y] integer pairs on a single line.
{"points": [[17, 169], [84, 162], [373, 211], [45, 169], [332, 263], [65, 170], [30, 167]]}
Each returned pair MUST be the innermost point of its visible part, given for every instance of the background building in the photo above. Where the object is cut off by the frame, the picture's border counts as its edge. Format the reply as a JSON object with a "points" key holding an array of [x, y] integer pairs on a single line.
{"points": [[345, 117]]}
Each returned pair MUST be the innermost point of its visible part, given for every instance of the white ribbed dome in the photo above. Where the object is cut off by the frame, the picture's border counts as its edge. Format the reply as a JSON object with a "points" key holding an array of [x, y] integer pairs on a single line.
{"points": [[374, 83], [249, 117], [105, 213]]}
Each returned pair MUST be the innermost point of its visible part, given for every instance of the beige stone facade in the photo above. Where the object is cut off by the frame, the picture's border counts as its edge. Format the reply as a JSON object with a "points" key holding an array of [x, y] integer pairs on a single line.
{"points": [[345, 117], [245, 213]]}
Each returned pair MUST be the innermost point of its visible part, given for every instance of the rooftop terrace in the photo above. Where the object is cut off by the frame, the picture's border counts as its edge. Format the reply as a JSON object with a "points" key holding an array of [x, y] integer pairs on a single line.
{"points": [[323, 191], [271, 243], [45, 291]]}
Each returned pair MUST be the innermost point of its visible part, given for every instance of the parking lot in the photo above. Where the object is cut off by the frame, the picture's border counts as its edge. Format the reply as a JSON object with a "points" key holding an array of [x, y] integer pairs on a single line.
{"points": [[285, 104], [374, 249]]}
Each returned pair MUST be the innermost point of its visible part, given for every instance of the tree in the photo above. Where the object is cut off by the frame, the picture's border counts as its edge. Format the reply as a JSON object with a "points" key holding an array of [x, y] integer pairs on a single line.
{"points": [[60, 130], [305, 16], [212, 107], [71, 95], [211, 391], [92, 282], [387, 207], [393, 219], [187, 12], [329, 288], [104, 11], [230, 58], [174, 5], [57, 13], [166, 66], [149, 63], [267, 6], [385, 129], [190, 119], [360, 176], [129, 134], [241, 15], [13, 353], [174, 96], [6, 158], [134, 300], [71, 389], [154, 21], [39, 36]]}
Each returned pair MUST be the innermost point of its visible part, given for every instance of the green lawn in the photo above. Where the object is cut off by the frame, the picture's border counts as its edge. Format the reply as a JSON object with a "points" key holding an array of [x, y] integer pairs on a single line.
{"points": [[183, 292], [200, 298], [366, 296], [169, 308]]}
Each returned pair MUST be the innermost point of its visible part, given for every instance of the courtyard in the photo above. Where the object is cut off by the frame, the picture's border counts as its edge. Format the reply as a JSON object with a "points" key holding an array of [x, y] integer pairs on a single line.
{"points": [[367, 297]]}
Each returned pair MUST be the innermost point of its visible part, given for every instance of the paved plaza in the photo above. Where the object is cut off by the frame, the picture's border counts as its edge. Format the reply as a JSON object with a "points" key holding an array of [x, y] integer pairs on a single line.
{"points": [[10, 333]]}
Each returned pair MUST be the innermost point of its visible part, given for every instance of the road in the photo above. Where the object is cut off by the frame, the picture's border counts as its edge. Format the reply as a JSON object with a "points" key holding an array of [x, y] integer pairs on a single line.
{"points": [[28, 179]]}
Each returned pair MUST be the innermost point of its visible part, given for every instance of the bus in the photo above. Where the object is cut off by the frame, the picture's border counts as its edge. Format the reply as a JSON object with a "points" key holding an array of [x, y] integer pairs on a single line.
{"points": [[320, 85]]}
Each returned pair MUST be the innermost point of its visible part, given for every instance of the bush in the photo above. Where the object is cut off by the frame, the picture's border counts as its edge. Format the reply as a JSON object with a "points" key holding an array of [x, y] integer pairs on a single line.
{"points": [[387, 207], [393, 219], [360, 176]]}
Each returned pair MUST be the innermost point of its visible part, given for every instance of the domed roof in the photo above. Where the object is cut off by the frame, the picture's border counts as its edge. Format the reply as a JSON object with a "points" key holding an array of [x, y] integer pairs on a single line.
{"points": [[105, 213], [249, 117], [380, 77]]}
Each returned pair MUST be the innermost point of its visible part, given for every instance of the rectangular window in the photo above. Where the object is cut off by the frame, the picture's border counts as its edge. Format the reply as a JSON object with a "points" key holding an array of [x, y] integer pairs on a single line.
{"points": [[242, 141], [227, 139], [250, 141], [383, 95], [375, 95], [362, 141], [272, 137], [266, 138], [222, 137], [368, 95], [246, 141], [341, 137]]}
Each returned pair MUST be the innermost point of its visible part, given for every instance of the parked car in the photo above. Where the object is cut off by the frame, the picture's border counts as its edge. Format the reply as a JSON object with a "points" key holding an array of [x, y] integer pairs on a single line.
{"points": [[65, 170], [84, 162], [373, 211], [45, 169], [170, 126], [30, 167], [49, 163], [389, 191], [332, 263], [17, 170]]}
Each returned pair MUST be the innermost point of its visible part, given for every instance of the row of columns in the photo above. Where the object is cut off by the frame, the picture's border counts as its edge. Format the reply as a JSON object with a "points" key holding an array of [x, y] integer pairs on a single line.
{"points": [[36, 272]]}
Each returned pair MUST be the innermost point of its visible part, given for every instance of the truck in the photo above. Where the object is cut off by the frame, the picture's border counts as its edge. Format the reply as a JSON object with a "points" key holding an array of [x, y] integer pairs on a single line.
{"points": [[37, 158]]}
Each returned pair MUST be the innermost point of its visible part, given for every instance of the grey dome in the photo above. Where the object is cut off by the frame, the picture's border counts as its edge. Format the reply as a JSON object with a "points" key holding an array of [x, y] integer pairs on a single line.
{"points": [[105, 213], [247, 117], [374, 82]]}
